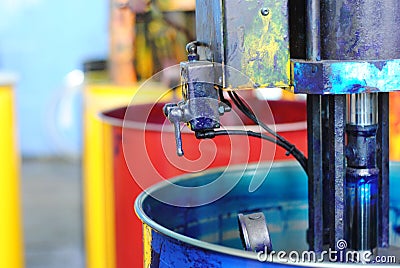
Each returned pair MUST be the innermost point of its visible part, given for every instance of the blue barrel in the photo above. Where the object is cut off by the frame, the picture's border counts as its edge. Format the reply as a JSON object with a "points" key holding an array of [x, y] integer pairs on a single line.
{"points": [[208, 235]]}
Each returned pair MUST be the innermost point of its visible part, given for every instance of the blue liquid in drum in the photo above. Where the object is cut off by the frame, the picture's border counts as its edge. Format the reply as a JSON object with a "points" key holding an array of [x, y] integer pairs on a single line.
{"points": [[286, 224], [282, 197]]}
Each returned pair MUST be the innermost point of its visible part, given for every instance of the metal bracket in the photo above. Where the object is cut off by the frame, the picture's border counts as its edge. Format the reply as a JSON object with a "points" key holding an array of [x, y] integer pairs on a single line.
{"points": [[345, 77]]}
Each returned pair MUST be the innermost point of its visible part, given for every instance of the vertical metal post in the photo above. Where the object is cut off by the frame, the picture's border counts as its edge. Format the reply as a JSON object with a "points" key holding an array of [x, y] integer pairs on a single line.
{"points": [[315, 231], [383, 166], [337, 168], [313, 49], [314, 134], [369, 21], [325, 167]]}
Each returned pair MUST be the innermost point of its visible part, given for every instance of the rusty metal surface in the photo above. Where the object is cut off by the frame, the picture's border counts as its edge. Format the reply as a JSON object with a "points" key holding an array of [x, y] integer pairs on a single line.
{"points": [[209, 29], [250, 36], [337, 167], [360, 29], [383, 165], [315, 174], [257, 41]]}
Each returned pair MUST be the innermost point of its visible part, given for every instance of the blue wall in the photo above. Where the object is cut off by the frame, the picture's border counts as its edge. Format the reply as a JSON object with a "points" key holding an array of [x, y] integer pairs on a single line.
{"points": [[42, 41]]}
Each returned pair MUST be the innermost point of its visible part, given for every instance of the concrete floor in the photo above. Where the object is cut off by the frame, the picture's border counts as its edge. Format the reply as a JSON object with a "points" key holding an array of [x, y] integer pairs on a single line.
{"points": [[52, 211]]}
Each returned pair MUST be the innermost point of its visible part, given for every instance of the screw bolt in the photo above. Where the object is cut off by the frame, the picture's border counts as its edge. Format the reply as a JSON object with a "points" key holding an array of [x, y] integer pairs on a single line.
{"points": [[265, 11]]}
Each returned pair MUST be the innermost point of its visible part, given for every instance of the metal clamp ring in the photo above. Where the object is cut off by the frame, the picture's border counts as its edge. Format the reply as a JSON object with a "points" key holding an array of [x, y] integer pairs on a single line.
{"points": [[254, 232]]}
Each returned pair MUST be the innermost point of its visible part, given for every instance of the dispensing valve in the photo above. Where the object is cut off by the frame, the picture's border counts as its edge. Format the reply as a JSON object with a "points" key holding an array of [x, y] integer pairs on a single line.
{"points": [[175, 116], [200, 108]]}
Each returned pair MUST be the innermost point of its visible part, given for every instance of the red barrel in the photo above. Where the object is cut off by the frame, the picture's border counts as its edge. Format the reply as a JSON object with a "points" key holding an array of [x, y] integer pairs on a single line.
{"points": [[144, 152]]}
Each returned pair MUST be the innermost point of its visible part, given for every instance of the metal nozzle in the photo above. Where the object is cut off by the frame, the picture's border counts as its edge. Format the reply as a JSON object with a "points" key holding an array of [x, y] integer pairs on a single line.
{"points": [[178, 139]]}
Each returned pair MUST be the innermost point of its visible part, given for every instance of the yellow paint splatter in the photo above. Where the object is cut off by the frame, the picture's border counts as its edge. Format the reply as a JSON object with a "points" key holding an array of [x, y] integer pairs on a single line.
{"points": [[147, 238], [266, 58]]}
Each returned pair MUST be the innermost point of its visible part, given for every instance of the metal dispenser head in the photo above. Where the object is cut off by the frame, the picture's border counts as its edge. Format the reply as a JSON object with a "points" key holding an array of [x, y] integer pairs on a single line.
{"points": [[200, 108]]}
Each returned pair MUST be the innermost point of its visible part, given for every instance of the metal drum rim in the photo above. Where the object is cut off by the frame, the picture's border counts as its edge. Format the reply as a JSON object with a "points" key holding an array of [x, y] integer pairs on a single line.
{"points": [[213, 247], [130, 124]]}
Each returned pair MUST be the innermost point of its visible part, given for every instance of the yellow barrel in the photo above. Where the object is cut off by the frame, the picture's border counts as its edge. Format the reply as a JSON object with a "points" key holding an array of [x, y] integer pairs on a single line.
{"points": [[98, 169], [11, 249]]}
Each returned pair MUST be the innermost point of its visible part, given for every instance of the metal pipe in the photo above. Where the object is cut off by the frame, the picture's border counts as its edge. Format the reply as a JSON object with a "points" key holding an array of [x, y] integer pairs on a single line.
{"points": [[362, 172], [314, 130], [361, 208], [313, 42], [363, 109]]}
